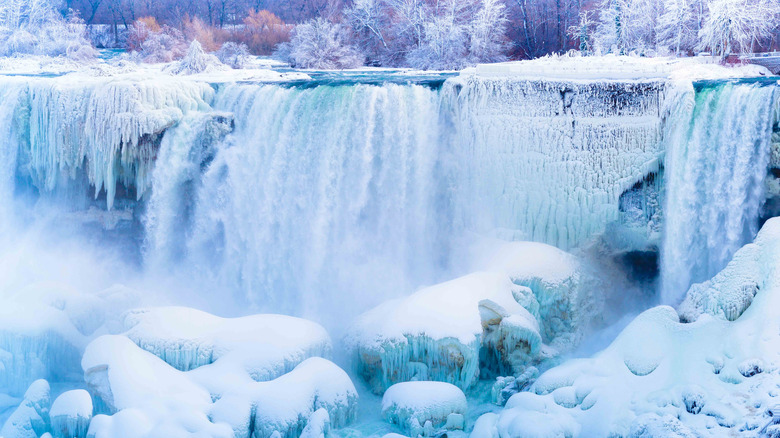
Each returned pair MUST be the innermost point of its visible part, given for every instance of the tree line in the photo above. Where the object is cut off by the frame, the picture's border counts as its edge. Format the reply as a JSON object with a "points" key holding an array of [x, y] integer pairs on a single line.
{"points": [[437, 34]]}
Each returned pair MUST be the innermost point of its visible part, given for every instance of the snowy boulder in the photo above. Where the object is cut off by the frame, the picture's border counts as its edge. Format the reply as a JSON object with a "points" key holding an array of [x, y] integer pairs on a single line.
{"points": [[221, 398], [420, 408], [31, 418], [558, 298], [70, 414], [267, 345], [437, 332]]}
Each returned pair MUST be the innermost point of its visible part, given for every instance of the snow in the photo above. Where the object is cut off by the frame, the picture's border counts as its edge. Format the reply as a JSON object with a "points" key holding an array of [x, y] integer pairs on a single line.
{"points": [[71, 413], [411, 405], [659, 367]]}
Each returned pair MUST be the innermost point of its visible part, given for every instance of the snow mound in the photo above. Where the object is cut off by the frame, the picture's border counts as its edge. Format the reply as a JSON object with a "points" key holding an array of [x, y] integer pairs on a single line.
{"points": [[141, 395], [267, 345], [420, 408], [659, 367], [31, 418], [70, 414], [436, 333]]}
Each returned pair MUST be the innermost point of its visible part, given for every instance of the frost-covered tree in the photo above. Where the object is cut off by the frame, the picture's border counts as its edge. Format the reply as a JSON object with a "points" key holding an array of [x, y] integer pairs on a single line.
{"points": [[233, 54], [581, 33], [370, 24], [627, 26], [150, 42], [678, 26], [320, 44], [737, 25], [37, 27], [488, 32]]}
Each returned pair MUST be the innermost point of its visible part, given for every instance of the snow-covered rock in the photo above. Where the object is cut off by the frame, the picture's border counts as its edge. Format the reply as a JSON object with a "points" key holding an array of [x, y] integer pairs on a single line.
{"points": [[267, 345], [529, 304], [70, 414], [436, 333], [233, 390], [420, 408], [659, 367], [31, 418]]}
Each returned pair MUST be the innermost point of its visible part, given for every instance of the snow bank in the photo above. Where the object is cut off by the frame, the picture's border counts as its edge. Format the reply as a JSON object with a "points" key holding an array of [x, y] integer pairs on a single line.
{"points": [[659, 367], [424, 408], [490, 321]]}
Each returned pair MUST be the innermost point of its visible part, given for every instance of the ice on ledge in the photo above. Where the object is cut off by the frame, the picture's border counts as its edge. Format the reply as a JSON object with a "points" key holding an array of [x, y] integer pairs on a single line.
{"points": [[613, 67], [267, 345], [425, 408], [659, 368]]}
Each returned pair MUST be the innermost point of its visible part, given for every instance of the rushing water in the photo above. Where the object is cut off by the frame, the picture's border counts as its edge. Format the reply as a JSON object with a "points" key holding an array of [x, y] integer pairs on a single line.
{"points": [[718, 148]]}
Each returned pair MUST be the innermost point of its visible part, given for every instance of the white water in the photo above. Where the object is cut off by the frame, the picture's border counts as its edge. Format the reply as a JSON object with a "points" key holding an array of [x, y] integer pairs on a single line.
{"points": [[717, 156]]}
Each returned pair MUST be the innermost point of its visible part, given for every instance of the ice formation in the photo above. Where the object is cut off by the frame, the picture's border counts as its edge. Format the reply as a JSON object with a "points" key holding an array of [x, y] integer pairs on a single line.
{"points": [[425, 408], [106, 130], [483, 322], [31, 418], [683, 377]]}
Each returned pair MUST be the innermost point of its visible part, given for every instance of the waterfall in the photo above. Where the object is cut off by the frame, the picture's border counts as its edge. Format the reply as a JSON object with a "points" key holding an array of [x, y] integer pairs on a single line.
{"points": [[320, 196], [303, 198], [717, 154]]}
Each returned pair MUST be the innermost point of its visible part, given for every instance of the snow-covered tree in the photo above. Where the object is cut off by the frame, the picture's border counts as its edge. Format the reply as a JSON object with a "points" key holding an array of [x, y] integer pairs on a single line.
{"points": [[369, 24], [320, 44], [581, 33], [37, 27], [627, 26], [678, 26], [153, 43], [488, 32], [737, 25], [233, 54]]}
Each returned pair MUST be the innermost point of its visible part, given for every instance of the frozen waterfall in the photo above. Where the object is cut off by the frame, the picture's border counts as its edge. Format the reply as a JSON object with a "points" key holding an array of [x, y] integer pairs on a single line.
{"points": [[717, 155], [302, 198]]}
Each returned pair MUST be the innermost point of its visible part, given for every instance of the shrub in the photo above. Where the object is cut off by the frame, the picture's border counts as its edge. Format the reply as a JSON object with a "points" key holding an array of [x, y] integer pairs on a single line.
{"points": [[320, 44], [233, 54], [263, 32]]}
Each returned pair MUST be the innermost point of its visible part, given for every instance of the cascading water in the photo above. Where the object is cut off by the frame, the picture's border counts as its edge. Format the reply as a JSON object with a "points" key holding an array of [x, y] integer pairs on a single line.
{"points": [[717, 154], [321, 195]]}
